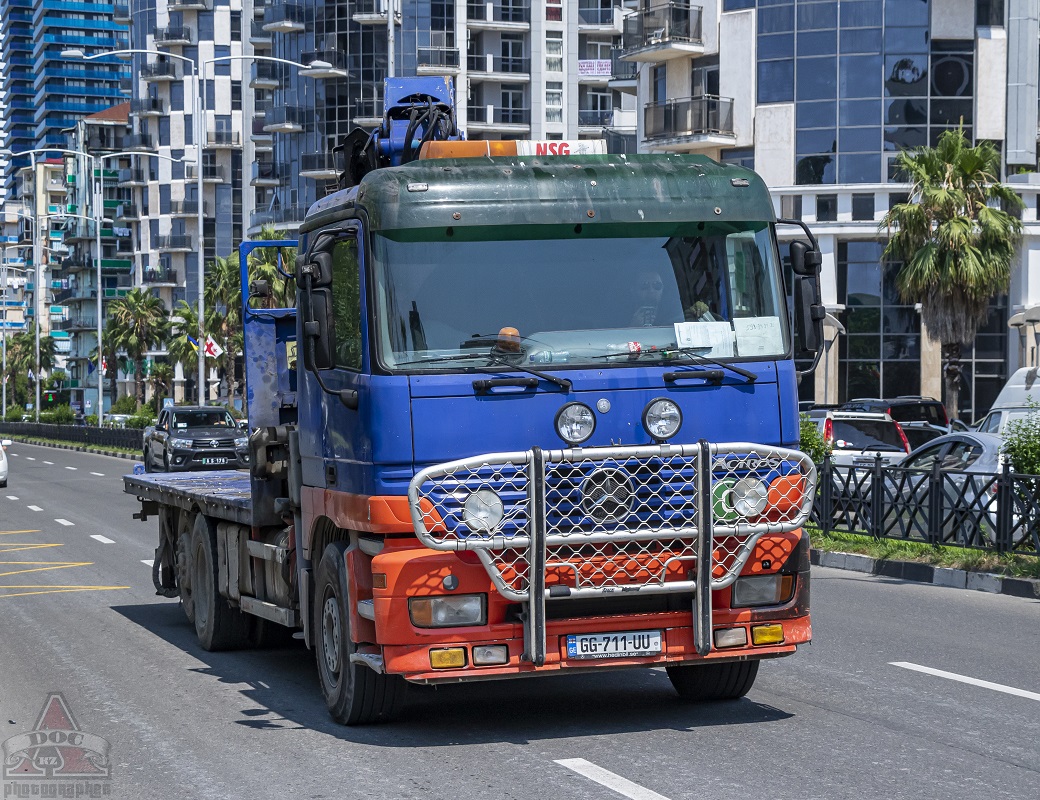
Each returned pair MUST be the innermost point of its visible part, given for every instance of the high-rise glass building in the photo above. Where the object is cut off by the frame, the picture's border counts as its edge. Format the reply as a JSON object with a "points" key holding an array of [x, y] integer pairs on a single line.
{"points": [[818, 96]]}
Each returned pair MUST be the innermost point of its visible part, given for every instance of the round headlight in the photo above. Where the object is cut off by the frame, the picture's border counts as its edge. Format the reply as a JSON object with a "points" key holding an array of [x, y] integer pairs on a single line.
{"points": [[750, 496], [483, 511], [662, 419], [575, 423]]}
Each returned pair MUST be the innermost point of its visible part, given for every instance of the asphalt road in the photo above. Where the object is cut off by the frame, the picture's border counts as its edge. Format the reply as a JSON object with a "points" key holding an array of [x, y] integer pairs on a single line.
{"points": [[882, 704]]}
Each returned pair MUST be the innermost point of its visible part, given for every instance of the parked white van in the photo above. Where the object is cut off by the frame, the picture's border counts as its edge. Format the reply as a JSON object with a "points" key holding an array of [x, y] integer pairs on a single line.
{"points": [[1013, 401]]}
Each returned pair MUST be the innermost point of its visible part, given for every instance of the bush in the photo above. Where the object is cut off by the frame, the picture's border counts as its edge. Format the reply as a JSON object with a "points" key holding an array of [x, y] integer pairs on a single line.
{"points": [[90, 420], [127, 404], [142, 420], [60, 415], [14, 413], [812, 442], [1022, 442]]}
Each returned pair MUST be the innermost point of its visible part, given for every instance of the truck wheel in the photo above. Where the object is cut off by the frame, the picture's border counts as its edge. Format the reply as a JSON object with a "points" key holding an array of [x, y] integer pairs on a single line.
{"points": [[184, 573], [728, 681], [218, 625], [354, 694]]}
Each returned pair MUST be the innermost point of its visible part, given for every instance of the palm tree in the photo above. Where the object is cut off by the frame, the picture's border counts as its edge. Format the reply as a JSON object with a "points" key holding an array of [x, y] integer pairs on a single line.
{"points": [[139, 322], [224, 320], [184, 322], [263, 265], [21, 353], [161, 380], [955, 246]]}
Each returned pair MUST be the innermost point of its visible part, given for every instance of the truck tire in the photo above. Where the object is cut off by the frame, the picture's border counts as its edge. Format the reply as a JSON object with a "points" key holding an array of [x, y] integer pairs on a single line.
{"points": [[183, 555], [354, 694], [728, 681], [218, 625]]}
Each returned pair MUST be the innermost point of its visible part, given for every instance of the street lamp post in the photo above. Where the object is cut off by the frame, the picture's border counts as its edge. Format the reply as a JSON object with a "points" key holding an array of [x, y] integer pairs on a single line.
{"points": [[5, 271], [198, 69]]}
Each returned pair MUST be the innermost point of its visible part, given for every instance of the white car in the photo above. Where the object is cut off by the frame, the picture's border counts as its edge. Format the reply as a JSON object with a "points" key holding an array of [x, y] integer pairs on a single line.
{"points": [[3, 462]]}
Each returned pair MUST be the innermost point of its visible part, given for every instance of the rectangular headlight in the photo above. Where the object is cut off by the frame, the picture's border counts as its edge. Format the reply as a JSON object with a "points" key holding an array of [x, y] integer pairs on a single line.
{"points": [[756, 590], [450, 611]]}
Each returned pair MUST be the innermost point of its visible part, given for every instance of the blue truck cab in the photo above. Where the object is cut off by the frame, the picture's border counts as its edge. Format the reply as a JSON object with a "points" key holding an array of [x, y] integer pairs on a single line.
{"points": [[531, 414]]}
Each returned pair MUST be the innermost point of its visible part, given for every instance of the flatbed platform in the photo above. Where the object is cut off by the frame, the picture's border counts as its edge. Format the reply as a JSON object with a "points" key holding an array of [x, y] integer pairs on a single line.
{"points": [[224, 494]]}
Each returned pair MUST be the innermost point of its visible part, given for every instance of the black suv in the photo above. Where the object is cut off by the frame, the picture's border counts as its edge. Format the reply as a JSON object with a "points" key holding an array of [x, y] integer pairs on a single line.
{"points": [[905, 408], [195, 437]]}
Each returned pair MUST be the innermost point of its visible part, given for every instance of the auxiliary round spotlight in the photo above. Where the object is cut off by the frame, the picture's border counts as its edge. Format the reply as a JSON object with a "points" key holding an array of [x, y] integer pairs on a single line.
{"points": [[575, 423], [483, 511], [662, 419]]}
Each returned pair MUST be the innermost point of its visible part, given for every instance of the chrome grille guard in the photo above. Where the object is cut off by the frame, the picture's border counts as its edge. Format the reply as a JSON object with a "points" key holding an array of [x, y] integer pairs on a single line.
{"points": [[599, 521]]}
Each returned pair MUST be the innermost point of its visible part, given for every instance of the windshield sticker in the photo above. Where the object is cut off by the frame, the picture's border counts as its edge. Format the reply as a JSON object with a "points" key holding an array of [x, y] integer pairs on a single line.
{"points": [[715, 337], [759, 336]]}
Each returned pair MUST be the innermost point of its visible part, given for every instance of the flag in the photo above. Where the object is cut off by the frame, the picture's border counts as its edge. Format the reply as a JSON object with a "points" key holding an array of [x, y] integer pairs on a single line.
{"points": [[31, 376], [104, 364], [213, 350], [193, 342], [90, 367]]}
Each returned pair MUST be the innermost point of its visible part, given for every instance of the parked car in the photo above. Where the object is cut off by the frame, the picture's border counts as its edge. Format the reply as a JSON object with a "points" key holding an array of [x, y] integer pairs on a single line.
{"points": [[857, 438], [195, 437], [919, 434], [905, 408], [968, 465], [3, 462]]}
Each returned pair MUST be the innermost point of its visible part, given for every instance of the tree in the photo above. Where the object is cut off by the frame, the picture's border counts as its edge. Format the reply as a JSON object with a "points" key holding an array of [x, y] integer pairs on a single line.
{"points": [[21, 360], [184, 322], [139, 322], [955, 244], [161, 381], [263, 265], [224, 317]]}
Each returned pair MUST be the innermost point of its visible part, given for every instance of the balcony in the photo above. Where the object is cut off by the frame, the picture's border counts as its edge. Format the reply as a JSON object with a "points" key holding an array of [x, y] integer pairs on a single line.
{"points": [[162, 276], [132, 177], [141, 142], [368, 112], [324, 64], [188, 5], [121, 14], [266, 75], [222, 139], [211, 173], [437, 60], [148, 107], [187, 208], [173, 36], [672, 30], [159, 71], [318, 166], [287, 215], [175, 243], [370, 12], [127, 212], [593, 15], [261, 6], [259, 38], [262, 140], [488, 16], [287, 119], [678, 124], [125, 246], [76, 323], [491, 67], [126, 86], [622, 73], [594, 118], [594, 70], [493, 118], [268, 173], [76, 294], [285, 18]]}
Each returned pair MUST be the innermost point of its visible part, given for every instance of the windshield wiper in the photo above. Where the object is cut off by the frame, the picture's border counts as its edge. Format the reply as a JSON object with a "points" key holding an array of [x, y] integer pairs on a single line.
{"points": [[668, 353], [492, 359]]}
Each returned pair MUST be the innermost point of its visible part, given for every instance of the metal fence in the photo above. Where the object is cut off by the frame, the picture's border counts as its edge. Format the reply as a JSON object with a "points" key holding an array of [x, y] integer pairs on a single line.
{"points": [[128, 438], [983, 511]]}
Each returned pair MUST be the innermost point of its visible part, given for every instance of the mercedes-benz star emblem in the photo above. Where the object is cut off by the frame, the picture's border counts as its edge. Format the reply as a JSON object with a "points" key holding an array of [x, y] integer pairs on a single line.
{"points": [[607, 495]]}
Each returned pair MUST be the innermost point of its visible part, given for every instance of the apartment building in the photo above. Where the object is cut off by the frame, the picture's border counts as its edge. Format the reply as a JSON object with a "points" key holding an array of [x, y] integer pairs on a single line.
{"points": [[818, 96], [46, 92], [521, 69]]}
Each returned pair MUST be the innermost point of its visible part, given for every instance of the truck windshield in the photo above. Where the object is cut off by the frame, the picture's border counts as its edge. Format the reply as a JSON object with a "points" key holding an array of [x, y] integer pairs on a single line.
{"points": [[577, 301]]}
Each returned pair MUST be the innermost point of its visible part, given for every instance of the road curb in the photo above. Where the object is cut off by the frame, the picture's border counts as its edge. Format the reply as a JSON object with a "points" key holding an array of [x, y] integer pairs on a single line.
{"points": [[926, 573], [79, 448]]}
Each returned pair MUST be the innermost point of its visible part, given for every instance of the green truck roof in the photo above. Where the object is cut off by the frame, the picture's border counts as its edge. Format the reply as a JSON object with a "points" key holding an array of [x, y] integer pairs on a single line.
{"points": [[551, 191]]}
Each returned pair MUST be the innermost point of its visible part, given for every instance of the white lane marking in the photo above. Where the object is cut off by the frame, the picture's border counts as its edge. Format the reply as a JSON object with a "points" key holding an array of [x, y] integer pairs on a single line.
{"points": [[98, 474], [953, 676], [29, 458], [72, 468], [34, 508], [147, 561], [65, 522], [102, 539], [15, 455], [11, 497], [603, 777], [51, 463]]}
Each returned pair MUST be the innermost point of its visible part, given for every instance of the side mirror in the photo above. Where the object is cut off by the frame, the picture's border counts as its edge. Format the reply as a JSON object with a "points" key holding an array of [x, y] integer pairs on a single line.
{"points": [[809, 313], [319, 331], [804, 259]]}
